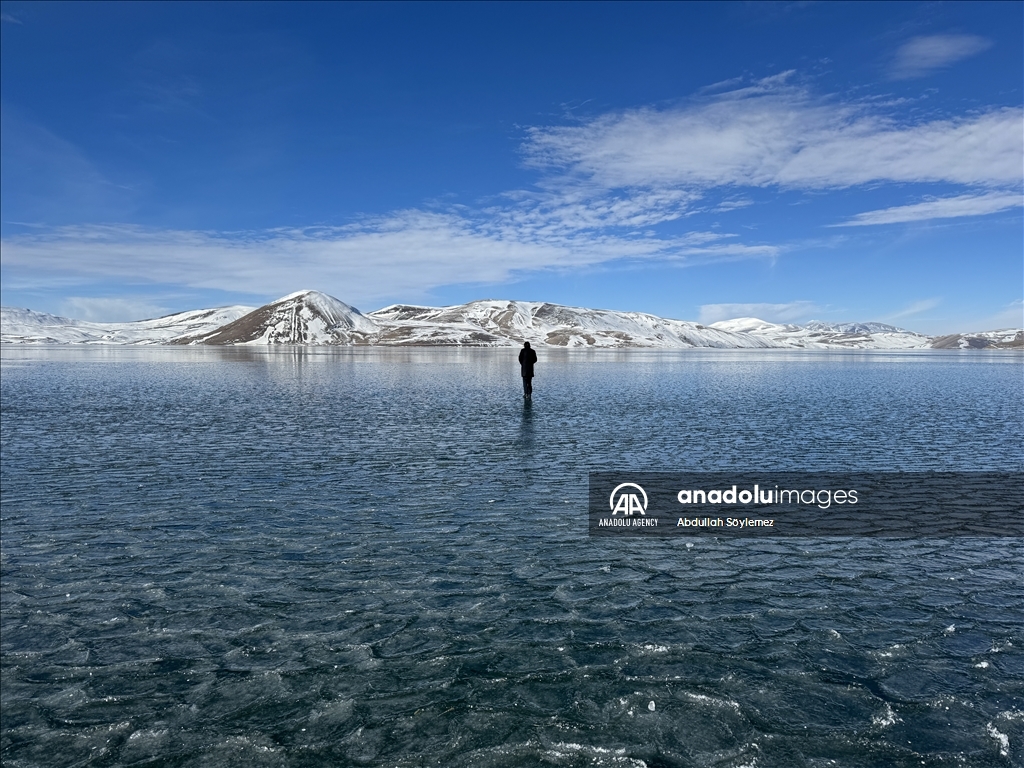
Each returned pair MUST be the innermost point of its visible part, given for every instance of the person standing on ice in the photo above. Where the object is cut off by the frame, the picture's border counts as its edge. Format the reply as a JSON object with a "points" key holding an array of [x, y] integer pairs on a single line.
{"points": [[527, 357]]}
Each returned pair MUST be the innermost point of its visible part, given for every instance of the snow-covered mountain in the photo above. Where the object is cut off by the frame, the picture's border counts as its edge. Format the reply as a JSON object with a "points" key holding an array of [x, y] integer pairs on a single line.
{"points": [[311, 317], [818, 335], [23, 326], [505, 323], [1007, 338], [305, 317]]}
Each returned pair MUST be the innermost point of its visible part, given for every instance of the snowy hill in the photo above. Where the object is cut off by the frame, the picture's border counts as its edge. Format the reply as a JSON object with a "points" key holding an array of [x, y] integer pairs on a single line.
{"points": [[314, 318], [305, 317], [818, 335], [23, 326], [1007, 338], [505, 323]]}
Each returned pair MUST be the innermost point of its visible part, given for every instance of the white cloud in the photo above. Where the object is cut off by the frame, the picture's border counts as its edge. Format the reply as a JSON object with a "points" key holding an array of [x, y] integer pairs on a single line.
{"points": [[110, 310], [944, 208], [570, 210], [732, 205], [776, 135], [915, 308], [405, 254], [399, 257], [608, 188], [774, 313], [920, 56]]}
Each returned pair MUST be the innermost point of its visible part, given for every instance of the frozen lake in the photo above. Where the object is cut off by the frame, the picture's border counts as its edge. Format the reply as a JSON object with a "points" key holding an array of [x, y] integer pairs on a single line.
{"points": [[380, 557]]}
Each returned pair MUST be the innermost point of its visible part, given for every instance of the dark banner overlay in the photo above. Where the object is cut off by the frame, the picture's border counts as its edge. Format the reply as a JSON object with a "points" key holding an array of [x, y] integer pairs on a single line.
{"points": [[905, 505]]}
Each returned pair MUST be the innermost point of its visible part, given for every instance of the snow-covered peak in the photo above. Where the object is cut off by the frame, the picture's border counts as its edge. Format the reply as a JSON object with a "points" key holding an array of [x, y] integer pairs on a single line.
{"points": [[819, 335], [335, 313], [16, 316], [818, 325], [303, 317], [750, 325], [401, 312]]}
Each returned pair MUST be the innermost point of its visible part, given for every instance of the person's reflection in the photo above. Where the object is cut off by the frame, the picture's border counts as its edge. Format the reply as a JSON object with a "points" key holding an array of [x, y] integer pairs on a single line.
{"points": [[526, 425]]}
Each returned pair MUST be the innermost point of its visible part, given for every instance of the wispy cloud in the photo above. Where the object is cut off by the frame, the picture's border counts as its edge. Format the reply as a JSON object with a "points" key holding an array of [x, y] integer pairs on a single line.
{"points": [[915, 308], [51, 175], [111, 310], [775, 135], [943, 208], [619, 186], [404, 255], [921, 56], [8, 19], [571, 210], [732, 205], [774, 313]]}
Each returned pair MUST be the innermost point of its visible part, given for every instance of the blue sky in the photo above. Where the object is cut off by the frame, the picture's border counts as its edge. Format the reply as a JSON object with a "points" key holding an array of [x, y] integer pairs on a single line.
{"points": [[790, 161]]}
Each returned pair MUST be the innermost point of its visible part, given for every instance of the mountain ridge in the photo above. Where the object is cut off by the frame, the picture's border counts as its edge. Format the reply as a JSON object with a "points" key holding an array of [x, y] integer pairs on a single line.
{"points": [[25, 326], [314, 318]]}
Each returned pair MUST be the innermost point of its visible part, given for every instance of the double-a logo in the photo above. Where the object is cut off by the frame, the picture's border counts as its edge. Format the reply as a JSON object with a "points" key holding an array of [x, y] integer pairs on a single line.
{"points": [[626, 502]]}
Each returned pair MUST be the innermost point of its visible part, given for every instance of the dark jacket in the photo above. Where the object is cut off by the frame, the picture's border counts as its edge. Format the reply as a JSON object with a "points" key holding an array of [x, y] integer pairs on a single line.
{"points": [[527, 357]]}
